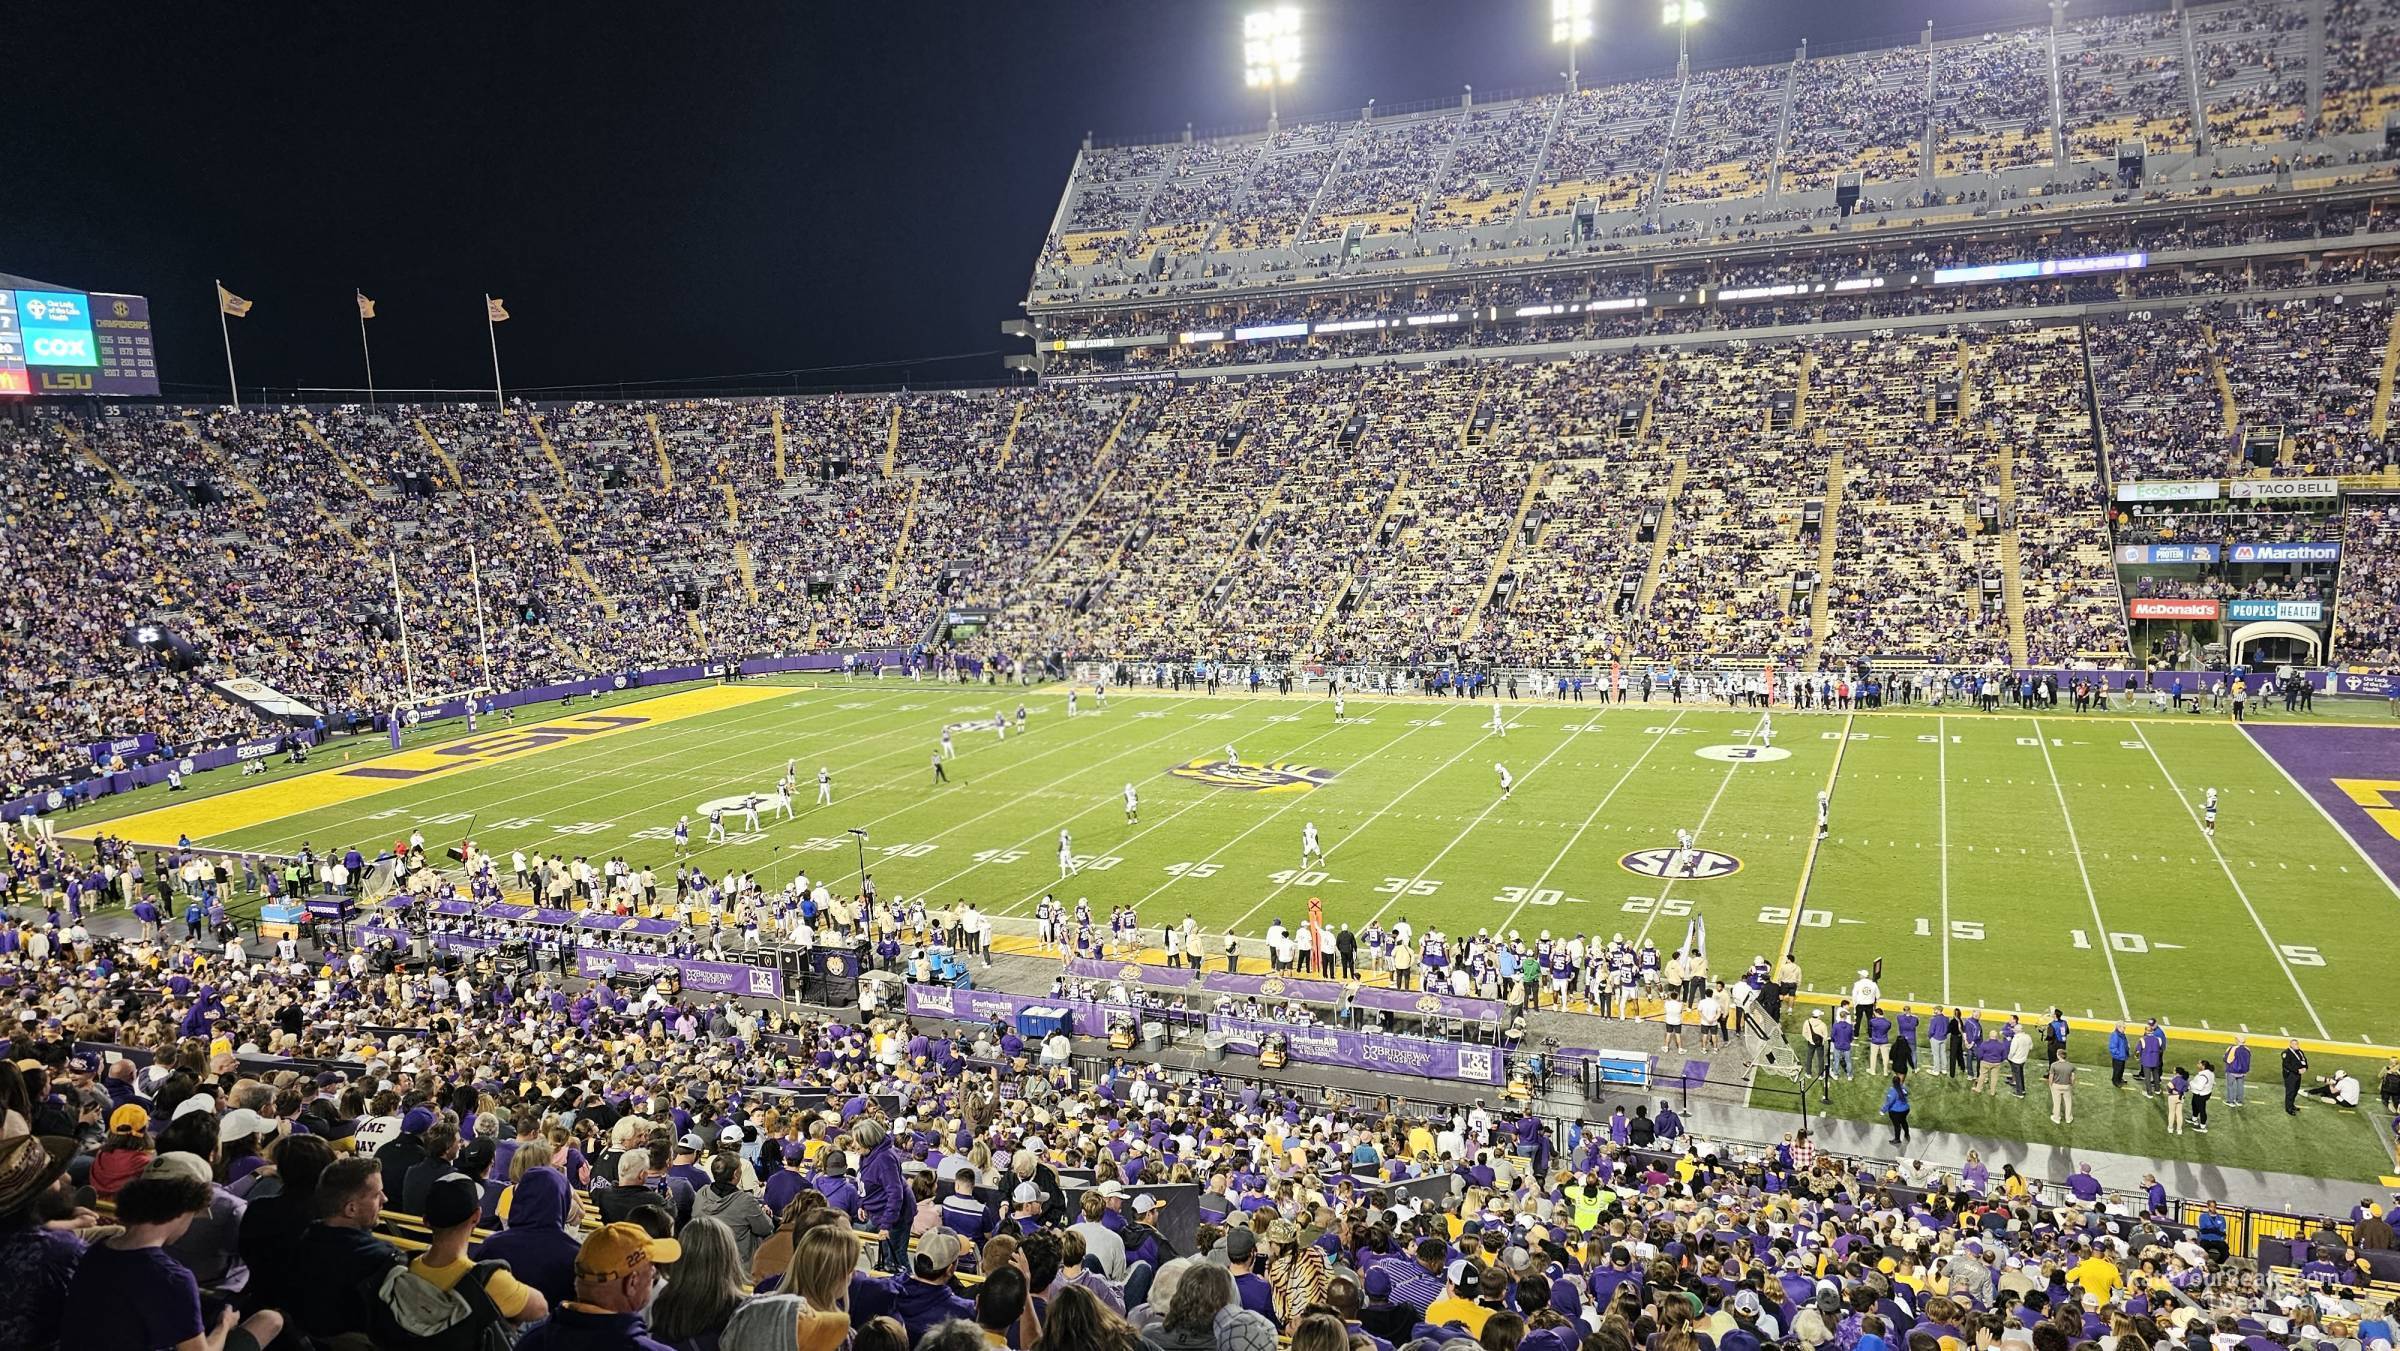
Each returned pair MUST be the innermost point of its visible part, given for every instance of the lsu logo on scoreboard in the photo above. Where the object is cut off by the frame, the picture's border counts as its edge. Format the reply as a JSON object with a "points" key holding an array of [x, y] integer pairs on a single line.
{"points": [[1280, 776]]}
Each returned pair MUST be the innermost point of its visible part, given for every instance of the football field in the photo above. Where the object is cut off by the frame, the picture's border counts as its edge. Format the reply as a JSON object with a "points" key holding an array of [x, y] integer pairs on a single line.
{"points": [[2002, 861], [1999, 861]]}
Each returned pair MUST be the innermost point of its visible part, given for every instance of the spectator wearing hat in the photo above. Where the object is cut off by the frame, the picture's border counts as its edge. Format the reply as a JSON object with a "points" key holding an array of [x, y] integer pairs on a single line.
{"points": [[124, 1153], [405, 1150], [1459, 1302], [687, 1167], [129, 1291], [925, 1297], [453, 1205], [1296, 1270], [40, 1260], [1100, 1241], [616, 1270], [338, 1256], [1251, 1290], [1142, 1241]]}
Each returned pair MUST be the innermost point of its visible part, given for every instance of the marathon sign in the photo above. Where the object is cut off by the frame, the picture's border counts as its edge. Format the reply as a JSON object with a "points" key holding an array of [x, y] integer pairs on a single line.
{"points": [[2166, 553], [2286, 489], [2174, 608], [2300, 611], [2284, 553], [2168, 491]]}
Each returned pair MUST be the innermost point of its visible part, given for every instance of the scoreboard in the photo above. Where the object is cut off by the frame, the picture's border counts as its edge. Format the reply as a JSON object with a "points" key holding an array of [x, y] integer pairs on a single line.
{"points": [[76, 342]]}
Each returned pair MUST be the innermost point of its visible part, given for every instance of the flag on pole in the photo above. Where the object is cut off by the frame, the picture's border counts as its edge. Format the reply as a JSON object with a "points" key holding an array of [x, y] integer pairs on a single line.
{"points": [[230, 303], [1695, 937], [495, 310], [366, 307]]}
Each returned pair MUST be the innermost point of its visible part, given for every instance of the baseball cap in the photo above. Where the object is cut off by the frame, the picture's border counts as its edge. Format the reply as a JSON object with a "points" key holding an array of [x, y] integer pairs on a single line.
{"points": [[418, 1119], [621, 1249], [1462, 1274], [1283, 1233], [1241, 1243], [1745, 1303], [731, 1135], [1144, 1204], [690, 1143], [198, 1102], [130, 1119], [1026, 1191], [240, 1122], [177, 1163], [1111, 1187], [937, 1250], [452, 1199]]}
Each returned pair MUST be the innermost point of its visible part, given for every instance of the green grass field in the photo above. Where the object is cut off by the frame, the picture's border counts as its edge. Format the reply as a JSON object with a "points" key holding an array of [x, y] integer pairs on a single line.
{"points": [[2001, 861]]}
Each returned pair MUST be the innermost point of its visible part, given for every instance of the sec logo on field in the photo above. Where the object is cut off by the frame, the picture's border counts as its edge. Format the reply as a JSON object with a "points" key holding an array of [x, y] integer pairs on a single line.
{"points": [[1739, 753], [1672, 863]]}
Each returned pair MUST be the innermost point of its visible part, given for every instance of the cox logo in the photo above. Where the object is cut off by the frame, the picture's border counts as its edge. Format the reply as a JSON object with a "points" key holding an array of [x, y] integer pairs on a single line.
{"points": [[72, 349]]}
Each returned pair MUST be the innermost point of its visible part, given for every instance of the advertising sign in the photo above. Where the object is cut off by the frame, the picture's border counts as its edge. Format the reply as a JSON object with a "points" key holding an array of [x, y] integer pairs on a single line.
{"points": [[2172, 608], [2166, 553], [2286, 489], [2283, 553], [2299, 611], [2168, 491]]}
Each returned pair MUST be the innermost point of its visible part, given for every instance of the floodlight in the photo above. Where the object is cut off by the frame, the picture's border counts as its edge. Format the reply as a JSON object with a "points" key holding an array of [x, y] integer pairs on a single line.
{"points": [[1684, 12], [1570, 21], [1271, 47]]}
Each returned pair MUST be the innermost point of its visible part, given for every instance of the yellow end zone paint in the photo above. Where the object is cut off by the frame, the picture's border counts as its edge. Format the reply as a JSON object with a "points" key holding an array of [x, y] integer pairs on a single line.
{"points": [[245, 808]]}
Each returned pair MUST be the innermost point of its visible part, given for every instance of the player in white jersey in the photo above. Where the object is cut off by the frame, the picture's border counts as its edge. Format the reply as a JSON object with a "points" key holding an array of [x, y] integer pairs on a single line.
{"points": [[1066, 854], [1766, 730], [1824, 812], [782, 802], [1047, 916], [1232, 756], [1338, 711], [1133, 807], [1070, 703], [716, 825], [1309, 848], [824, 786], [1508, 781], [1685, 858], [2208, 813], [750, 812], [949, 752], [1499, 726], [683, 835], [791, 768], [1099, 696]]}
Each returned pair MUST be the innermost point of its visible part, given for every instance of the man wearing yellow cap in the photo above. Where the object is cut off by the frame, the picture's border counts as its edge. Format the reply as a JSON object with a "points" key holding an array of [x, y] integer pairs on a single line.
{"points": [[614, 1274]]}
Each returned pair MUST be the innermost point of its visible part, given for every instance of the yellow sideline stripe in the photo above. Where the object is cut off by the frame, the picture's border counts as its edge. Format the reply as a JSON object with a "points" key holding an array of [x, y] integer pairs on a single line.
{"points": [[247, 807], [2262, 1044], [1808, 866]]}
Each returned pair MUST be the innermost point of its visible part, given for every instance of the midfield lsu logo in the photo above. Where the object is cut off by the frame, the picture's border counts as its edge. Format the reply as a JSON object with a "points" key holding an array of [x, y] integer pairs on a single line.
{"points": [[1282, 776]]}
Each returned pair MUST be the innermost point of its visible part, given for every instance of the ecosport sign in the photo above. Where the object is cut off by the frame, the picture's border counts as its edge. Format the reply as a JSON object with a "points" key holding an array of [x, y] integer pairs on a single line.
{"points": [[2202, 491]]}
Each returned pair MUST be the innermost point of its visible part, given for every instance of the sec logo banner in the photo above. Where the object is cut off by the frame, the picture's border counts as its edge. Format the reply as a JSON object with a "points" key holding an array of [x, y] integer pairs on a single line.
{"points": [[1697, 865]]}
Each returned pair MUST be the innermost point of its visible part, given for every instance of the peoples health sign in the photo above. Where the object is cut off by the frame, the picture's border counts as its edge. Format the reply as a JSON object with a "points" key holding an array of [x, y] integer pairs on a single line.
{"points": [[2302, 611], [2284, 553]]}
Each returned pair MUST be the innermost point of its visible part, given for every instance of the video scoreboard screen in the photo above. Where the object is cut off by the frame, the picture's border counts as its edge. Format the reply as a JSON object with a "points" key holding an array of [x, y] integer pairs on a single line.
{"points": [[76, 342]]}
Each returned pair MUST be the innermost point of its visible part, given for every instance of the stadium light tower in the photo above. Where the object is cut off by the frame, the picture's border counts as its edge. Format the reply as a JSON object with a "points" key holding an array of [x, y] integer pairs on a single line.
{"points": [[1681, 15], [1570, 27], [1271, 52]]}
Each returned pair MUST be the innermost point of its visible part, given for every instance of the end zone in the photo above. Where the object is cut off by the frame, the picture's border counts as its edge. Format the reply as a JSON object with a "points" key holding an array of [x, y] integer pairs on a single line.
{"points": [[244, 808]]}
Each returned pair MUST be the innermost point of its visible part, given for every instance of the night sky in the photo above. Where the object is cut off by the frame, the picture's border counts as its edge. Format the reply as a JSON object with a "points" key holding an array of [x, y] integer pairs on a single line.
{"points": [[679, 191]]}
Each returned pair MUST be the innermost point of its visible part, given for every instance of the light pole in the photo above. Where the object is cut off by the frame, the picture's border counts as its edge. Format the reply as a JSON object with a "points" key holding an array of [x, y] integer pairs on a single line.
{"points": [[1681, 15], [1570, 27], [861, 833], [1271, 53]]}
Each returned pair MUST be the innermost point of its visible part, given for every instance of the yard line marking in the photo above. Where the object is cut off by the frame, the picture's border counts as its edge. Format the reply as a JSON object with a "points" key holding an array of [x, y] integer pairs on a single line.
{"points": [[1193, 805], [1012, 799], [2074, 845], [2219, 854], [1587, 821], [1270, 820], [1941, 750], [472, 784], [1808, 865], [1658, 903], [2311, 800], [1564, 742]]}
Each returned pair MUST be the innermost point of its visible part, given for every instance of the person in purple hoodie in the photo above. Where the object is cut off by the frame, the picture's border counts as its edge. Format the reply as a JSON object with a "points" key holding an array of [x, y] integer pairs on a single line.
{"points": [[536, 1245], [1845, 1035], [2237, 1070], [1879, 1042]]}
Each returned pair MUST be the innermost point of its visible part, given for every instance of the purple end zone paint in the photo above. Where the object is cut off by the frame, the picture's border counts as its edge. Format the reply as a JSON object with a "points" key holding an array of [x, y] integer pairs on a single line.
{"points": [[2316, 755]]}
